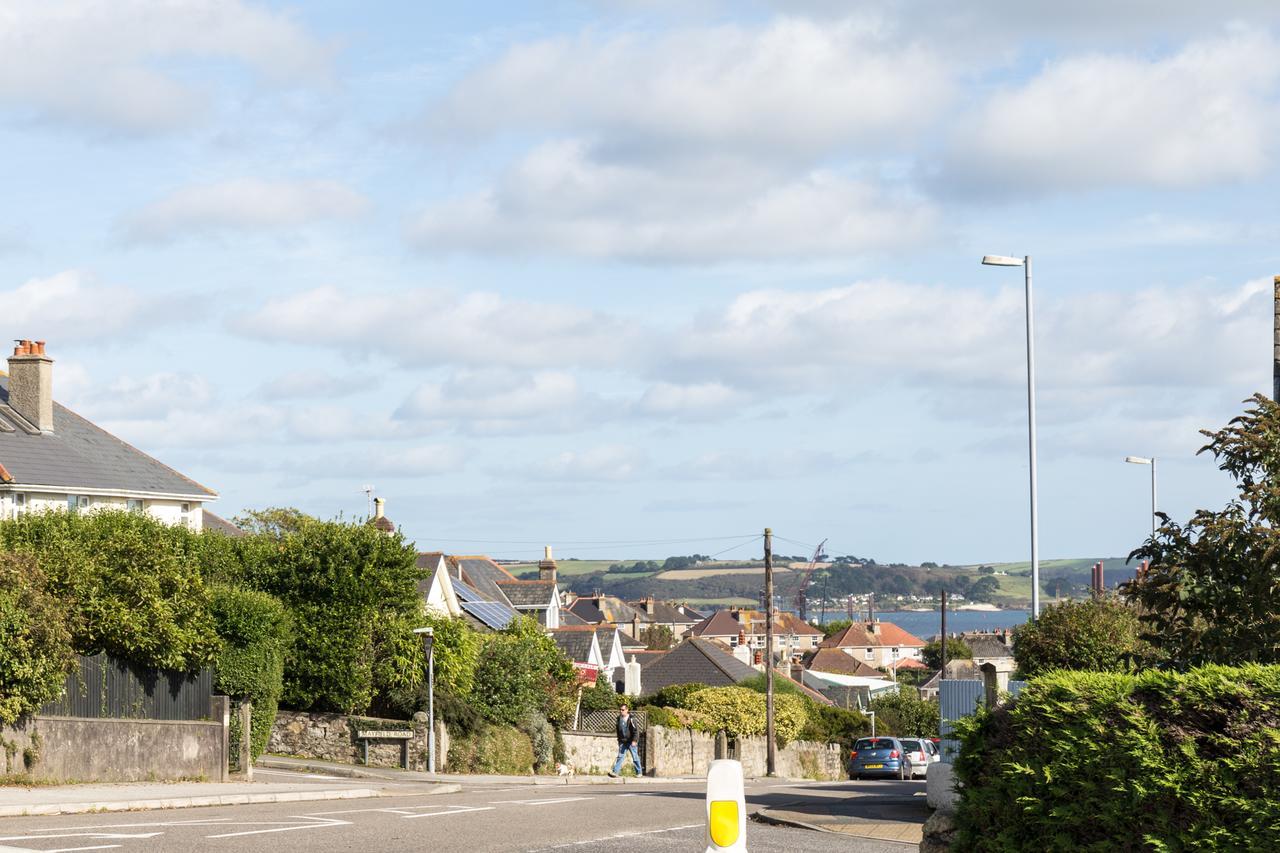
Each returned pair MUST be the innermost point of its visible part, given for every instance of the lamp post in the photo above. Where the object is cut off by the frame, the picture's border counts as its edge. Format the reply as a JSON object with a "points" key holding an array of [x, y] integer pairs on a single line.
{"points": [[1148, 460], [428, 636], [1025, 263]]}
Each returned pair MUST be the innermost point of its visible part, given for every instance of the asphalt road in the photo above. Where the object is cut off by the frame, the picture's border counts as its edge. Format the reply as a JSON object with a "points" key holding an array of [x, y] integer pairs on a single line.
{"points": [[490, 818]]}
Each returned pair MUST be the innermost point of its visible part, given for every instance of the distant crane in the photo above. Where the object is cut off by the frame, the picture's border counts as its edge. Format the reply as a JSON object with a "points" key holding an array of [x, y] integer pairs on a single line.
{"points": [[802, 599]]}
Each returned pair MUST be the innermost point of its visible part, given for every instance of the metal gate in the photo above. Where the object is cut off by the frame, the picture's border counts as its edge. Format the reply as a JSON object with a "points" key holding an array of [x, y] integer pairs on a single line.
{"points": [[959, 698]]}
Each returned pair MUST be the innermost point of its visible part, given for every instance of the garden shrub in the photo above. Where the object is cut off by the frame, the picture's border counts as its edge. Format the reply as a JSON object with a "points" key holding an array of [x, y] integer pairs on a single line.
{"points": [[256, 632], [601, 696], [502, 750], [905, 714], [1099, 635], [675, 695], [542, 737], [665, 717], [35, 645], [522, 668], [1112, 761], [741, 711]]}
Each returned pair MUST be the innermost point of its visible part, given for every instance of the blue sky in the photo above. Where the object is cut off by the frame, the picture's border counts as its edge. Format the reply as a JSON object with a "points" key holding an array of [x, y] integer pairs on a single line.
{"points": [[609, 272]]}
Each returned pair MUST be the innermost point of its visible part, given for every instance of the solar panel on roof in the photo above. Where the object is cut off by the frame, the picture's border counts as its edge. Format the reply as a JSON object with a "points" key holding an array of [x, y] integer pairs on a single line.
{"points": [[496, 616], [465, 592]]}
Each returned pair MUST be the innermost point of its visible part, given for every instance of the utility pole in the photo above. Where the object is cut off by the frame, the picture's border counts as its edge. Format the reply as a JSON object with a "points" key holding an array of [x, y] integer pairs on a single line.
{"points": [[771, 763], [943, 672], [1275, 344]]}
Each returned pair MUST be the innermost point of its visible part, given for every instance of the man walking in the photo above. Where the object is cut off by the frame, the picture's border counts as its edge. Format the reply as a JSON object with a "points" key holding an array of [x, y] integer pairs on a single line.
{"points": [[628, 739]]}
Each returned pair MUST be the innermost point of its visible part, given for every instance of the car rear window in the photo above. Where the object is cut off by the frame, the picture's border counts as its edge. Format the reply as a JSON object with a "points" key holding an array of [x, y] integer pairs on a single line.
{"points": [[878, 743], [912, 746]]}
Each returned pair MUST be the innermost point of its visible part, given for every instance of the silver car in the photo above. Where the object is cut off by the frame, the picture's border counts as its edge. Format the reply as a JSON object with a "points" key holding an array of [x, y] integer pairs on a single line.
{"points": [[920, 753]]}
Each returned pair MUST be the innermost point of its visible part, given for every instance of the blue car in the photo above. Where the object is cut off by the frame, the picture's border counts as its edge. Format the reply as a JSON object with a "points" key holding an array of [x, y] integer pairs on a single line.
{"points": [[879, 756]]}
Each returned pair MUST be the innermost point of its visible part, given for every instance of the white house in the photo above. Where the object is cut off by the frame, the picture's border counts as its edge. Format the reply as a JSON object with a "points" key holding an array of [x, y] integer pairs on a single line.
{"points": [[51, 458]]}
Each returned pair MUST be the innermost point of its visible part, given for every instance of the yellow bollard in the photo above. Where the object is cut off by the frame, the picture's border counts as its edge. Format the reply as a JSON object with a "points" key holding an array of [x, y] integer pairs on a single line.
{"points": [[726, 808]]}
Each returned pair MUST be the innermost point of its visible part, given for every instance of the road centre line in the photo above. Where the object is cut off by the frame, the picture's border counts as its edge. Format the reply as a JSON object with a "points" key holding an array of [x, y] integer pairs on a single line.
{"points": [[617, 836], [328, 823], [451, 811], [75, 849], [539, 802]]}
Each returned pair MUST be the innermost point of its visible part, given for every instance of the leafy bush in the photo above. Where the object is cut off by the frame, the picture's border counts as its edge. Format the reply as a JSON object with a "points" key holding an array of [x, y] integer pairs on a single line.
{"points": [[256, 632], [1114, 761], [352, 591], [601, 696], [905, 714], [957, 649], [1100, 634], [521, 668], [741, 711], [492, 749], [665, 717], [35, 645], [131, 585], [542, 737], [675, 696], [823, 723]]}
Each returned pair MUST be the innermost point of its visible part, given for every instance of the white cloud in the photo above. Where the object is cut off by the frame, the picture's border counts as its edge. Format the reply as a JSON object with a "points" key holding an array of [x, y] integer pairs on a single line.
{"points": [[604, 463], [701, 400], [790, 88], [304, 384], [424, 327], [74, 306], [152, 396], [559, 198], [411, 461], [492, 395], [1202, 115], [245, 205], [110, 63]]}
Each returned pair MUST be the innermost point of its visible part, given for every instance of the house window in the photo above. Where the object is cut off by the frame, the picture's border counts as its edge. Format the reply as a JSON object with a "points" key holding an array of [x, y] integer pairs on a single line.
{"points": [[186, 508], [19, 504], [895, 654], [135, 505], [869, 653], [75, 503]]}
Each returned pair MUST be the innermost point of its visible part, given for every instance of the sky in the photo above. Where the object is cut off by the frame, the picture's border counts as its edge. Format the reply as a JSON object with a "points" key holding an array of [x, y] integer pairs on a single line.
{"points": [[643, 278]]}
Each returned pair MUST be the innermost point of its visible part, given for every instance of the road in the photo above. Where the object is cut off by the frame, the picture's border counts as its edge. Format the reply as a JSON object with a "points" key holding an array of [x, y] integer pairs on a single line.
{"points": [[499, 818]]}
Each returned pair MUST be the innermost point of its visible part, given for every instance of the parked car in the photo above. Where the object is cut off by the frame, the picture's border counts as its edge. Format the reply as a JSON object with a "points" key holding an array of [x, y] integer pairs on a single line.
{"points": [[921, 752], [879, 756]]}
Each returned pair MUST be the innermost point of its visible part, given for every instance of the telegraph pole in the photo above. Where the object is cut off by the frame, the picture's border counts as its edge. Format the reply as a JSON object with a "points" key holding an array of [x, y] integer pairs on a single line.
{"points": [[771, 763], [1275, 345]]}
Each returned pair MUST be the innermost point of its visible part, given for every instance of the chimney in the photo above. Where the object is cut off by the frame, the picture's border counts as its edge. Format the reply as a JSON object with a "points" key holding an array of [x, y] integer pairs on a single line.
{"points": [[31, 384], [648, 604], [742, 636], [380, 521], [379, 511], [635, 627], [547, 566]]}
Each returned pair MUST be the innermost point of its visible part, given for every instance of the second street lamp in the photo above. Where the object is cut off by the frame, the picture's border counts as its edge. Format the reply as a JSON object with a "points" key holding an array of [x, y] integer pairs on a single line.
{"points": [[1148, 460], [428, 636], [1025, 263]]}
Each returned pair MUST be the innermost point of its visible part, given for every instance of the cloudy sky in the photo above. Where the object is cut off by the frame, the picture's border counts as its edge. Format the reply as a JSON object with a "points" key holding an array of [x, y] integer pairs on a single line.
{"points": [[653, 272]]}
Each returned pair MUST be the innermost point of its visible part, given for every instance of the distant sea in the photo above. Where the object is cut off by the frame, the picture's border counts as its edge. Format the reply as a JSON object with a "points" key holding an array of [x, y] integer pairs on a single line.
{"points": [[926, 625]]}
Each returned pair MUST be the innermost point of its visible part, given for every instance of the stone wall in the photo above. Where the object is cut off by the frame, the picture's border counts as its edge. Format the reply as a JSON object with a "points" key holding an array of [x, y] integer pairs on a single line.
{"points": [[590, 752], [77, 749], [684, 752], [332, 737]]}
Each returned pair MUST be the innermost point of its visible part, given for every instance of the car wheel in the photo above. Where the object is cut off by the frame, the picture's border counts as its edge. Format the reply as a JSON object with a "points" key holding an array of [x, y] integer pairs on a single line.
{"points": [[902, 772]]}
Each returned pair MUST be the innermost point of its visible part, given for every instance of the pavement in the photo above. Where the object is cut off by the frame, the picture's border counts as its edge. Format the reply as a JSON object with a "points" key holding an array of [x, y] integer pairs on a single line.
{"points": [[891, 817], [515, 817]]}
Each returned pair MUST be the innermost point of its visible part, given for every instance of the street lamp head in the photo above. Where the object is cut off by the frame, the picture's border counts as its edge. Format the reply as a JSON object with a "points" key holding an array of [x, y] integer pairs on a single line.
{"points": [[430, 632], [1002, 261], [1138, 460]]}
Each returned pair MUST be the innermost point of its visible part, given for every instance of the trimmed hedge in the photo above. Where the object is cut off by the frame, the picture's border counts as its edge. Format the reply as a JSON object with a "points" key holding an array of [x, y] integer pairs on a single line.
{"points": [[35, 645], [1110, 761], [256, 631]]}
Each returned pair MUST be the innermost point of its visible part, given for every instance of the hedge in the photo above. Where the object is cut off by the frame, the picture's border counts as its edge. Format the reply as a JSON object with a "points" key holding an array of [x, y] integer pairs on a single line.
{"points": [[741, 712], [492, 749], [256, 632], [1110, 761], [35, 645]]}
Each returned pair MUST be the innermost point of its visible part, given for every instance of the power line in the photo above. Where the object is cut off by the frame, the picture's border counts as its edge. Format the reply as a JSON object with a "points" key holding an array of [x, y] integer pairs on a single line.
{"points": [[621, 543]]}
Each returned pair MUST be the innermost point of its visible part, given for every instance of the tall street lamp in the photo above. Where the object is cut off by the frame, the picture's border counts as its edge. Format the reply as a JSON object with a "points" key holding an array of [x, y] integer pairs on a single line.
{"points": [[428, 636], [1148, 460], [1025, 263]]}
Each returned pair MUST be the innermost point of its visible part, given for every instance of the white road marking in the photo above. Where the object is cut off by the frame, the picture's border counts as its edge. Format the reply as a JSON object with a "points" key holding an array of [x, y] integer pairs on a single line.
{"points": [[617, 836], [96, 835], [74, 849], [298, 775], [540, 802], [458, 810], [328, 823]]}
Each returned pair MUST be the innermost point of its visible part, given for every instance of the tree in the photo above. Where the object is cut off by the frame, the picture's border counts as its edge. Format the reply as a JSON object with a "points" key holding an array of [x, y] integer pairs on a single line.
{"points": [[1100, 635], [835, 626], [256, 632], [905, 714], [1208, 595], [985, 588], [957, 649], [659, 637], [986, 570], [521, 668], [35, 644]]}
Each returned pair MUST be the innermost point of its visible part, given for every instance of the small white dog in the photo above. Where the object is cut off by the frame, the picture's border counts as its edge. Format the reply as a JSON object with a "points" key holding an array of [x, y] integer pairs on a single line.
{"points": [[563, 769]]}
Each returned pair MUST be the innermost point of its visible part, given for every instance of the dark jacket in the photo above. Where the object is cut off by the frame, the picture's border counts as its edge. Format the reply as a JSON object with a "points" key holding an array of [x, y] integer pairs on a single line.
{"points": [[627, 731]]}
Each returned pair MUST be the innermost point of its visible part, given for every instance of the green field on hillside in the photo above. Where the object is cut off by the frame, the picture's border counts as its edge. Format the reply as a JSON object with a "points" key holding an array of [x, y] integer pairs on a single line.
{"points": [[569, 568]]}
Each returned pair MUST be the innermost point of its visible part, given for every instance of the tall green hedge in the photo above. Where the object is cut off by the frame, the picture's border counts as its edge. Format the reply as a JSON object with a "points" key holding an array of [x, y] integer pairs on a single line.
{"points": [[256, 632], [1109, 761], [35, 645]]}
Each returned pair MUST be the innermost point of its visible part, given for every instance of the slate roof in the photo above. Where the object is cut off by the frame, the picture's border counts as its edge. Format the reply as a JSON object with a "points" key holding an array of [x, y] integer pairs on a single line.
{"points": [[696, 661], [528, 593], [606, 608], [664, 612], [718, 624], [483, 574], [569, 619], [858, 635], [836, 661], [956, 669], [988, 646], [218, 524], [576, 645], [79, 454]]}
